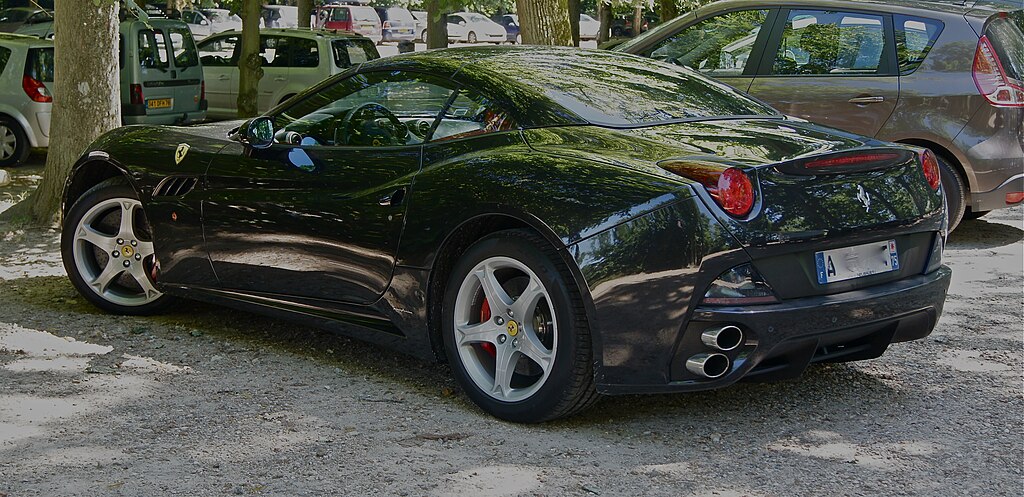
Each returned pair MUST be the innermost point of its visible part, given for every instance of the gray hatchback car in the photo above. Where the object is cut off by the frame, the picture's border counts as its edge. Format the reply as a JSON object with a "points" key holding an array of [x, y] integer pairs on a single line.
{"points": [[942, 75]]}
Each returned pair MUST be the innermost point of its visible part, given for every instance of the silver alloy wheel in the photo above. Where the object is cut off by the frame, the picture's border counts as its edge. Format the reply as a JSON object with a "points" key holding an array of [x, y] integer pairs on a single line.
{"points": [[510, 354], [121, 276], [8, 142]]}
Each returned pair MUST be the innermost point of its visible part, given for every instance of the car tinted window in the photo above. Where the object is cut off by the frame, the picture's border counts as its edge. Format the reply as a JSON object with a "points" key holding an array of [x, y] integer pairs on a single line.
{"points": [[183, 47], [39, 64], [365, 14], [914, 39], [334, 115], [14, 15], [472, 114], [719, 46], [219, 52], [348, 53], [621, 90], [826, 42], [152, 49], [340, 14], [5, 55], [274, 51], [1007, 37], [301, 52], [399, 14]]}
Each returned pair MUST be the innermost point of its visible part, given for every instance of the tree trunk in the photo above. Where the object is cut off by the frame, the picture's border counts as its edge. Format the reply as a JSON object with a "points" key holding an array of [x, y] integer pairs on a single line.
{"points": [[249, 59], [545, 22], [638, 20], [604, 16], [437, 25], [86, 99], [306, 10], [574, 21], [669, 10]]}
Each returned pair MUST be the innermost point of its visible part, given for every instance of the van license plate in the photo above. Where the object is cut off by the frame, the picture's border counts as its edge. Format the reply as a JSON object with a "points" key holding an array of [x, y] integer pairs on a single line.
{"points": [[160, 103], [848, 263]]}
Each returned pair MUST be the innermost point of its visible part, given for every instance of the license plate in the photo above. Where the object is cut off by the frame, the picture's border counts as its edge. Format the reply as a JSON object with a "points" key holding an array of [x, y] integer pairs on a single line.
{"points": [[848, 263], [160, 103]]}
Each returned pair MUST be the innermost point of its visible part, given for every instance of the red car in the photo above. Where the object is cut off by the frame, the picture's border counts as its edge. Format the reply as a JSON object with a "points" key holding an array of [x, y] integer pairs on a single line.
{"points": [[359, 19]]}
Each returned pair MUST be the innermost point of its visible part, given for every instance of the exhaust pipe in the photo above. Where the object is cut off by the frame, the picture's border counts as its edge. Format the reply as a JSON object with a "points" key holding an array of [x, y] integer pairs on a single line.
{"points": [[724, 338], [708, 365]]}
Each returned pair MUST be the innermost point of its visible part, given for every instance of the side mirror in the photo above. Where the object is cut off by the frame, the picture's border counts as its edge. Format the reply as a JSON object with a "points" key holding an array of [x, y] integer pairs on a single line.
{"points": [[204, 23], [257, 133], [462, 23]]}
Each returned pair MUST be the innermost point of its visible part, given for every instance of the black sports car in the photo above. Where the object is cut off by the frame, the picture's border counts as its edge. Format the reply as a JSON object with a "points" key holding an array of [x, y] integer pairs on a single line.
{"points": [[555, 223]]}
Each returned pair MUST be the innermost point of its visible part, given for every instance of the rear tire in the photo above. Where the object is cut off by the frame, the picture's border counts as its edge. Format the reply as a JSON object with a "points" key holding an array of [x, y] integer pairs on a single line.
{"points": [[14, 146], [515, 331], [955, 190], [471, 37]]}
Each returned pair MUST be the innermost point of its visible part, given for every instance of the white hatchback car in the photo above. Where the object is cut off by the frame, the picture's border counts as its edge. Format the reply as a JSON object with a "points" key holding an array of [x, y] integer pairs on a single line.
{"points": [[470, 27], [293, 60], [26, 68]]}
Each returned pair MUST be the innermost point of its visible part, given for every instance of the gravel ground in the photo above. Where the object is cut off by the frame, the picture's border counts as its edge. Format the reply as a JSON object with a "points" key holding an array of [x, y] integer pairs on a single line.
{"points": [[209, 401]]}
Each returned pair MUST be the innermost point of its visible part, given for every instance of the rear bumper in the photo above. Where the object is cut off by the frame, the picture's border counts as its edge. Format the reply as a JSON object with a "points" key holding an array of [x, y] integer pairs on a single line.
{"points": [[996, 198], [781, 340]]}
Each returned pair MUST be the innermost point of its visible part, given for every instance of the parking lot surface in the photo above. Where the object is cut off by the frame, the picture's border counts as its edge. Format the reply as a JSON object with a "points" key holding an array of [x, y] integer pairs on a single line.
{"points": [[211, 401]]}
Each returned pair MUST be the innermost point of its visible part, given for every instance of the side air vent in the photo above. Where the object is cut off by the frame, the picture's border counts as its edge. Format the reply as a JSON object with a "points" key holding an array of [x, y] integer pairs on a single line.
{"points": [[175, 186]]}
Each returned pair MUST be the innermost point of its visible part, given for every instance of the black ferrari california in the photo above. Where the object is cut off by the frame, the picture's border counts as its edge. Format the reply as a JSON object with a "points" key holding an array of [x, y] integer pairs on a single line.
{"points": [[555, 223]]}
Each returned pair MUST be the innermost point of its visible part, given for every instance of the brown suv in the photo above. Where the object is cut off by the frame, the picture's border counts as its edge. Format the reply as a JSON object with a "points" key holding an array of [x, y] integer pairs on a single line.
{"points": [[943, 75]]}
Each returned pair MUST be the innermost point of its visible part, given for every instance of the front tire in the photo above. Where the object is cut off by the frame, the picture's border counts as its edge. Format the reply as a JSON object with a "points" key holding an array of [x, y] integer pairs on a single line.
{"points": [[471, 37], [14, 146], [515, 331], [107, 248]]}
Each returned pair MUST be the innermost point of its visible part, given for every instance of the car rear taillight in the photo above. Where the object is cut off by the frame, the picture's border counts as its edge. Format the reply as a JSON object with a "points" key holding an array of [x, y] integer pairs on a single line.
{"points": [[991, 78], [36, 90], [202, 91], [851, 160], [135, 92], [729, 186], [930, 166]]}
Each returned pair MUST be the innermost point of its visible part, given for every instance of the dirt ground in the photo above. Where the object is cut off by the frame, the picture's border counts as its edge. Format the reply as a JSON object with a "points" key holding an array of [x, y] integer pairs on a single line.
{"points": [[208, 401]]}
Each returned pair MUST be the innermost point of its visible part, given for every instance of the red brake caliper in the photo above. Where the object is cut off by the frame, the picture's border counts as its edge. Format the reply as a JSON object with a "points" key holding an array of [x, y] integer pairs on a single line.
{"points": [[485, 315]]}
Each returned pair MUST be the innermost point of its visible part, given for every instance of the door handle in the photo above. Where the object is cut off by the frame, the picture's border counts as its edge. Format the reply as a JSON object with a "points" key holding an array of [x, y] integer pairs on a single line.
{"points": [[866, 100], [394, 198], [280, 78], [223, 77]]}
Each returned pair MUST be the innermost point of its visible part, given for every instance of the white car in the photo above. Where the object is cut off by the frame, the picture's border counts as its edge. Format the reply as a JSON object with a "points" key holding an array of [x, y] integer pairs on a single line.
{"points": [[293, 60], [280, 16], [589, 27], [222, 20], [197, 23], [26, 77], [470, 27]]}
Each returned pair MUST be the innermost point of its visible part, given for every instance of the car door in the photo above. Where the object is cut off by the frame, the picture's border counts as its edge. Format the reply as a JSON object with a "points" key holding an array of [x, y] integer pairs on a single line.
{"points": [[219, 55], [726, 46], [319, 214], [274, 50], [835, 68], [305, 67]]}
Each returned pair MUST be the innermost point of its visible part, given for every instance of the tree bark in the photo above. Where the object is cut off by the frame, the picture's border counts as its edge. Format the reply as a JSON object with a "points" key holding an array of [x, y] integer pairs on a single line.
{"points": [[437, 24], [574, 21], [638, 20], [249, 59], [604, 16], [545, 22], [669, 10], [305, 11], [86, 99]]}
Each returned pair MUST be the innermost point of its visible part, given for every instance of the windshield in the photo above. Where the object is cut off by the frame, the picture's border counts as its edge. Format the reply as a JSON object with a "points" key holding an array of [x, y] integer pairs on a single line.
{"points": [[619, 90], [14, 15], [476, 18], [654, 33], [1007, 36], [352, 51]]}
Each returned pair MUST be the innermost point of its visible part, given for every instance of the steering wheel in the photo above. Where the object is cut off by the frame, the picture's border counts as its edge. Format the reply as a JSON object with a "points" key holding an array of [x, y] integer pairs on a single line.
{"points": [[360, 127]]}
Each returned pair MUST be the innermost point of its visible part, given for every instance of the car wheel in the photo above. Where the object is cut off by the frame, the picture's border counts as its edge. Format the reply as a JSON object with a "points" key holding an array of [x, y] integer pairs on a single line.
{"points": [[108, 251], [515, 330], [471, 37], [14, 146], [423, 36], [956, 192], [519, 39]]}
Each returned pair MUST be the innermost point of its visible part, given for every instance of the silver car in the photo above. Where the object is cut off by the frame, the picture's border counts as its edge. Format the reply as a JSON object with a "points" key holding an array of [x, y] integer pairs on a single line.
{"points": [[293, 60], [26, 81]]}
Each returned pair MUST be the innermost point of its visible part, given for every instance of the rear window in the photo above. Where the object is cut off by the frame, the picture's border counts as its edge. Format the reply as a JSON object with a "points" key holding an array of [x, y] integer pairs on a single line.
{"points": [[39, 64], [339, 14], [5, 55], [399, 14], [183, 47], [1007, 37], [365, 14], [616, 90], [914, 39], [351, 52], [153, 49]]}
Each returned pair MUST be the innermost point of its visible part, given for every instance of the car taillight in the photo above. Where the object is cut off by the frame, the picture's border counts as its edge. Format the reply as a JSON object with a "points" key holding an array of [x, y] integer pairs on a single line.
{"points": [[730, 187], [135, 92], [930, 166], [850, 160], [202, 91], [36, 90], [991, 78]]}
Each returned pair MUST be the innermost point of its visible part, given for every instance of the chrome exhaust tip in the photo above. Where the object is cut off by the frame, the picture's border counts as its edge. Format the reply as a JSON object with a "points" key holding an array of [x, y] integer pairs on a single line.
{"points": [[724, 338], [708, 365]]}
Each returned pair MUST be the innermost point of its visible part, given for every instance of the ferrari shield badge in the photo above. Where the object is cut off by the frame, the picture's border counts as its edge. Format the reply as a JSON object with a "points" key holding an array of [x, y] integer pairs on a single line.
{"points": [[179, 154]]}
